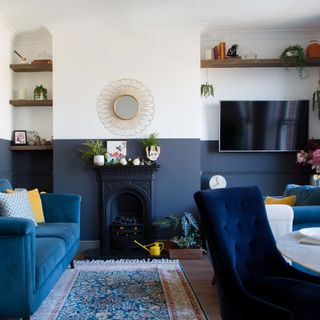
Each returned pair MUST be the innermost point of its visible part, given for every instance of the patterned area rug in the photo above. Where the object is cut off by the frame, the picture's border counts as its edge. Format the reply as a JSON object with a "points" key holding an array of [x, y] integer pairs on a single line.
{"points": [[122, 289]]}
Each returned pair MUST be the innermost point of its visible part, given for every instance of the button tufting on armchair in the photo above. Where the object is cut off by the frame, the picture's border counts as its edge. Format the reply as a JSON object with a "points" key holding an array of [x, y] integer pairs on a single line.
{"points": [[32, 259], [254, 281]]}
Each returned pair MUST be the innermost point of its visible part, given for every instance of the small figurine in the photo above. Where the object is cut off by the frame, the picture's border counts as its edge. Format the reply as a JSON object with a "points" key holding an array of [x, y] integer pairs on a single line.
{"points": [[232, 52]]}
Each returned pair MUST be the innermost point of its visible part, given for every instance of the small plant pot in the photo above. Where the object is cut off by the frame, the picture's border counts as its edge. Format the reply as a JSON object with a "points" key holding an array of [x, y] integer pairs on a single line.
{"points": [[98, 160]]}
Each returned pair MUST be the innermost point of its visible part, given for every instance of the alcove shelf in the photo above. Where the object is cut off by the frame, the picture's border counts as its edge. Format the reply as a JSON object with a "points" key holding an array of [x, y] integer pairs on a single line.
{"points": [[32, 148], [31, 103], [29, 67], [252, 63]]}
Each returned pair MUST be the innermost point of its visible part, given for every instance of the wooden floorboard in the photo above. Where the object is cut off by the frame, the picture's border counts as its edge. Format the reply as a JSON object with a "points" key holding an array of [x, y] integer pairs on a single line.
{"points": [[200, 274]]}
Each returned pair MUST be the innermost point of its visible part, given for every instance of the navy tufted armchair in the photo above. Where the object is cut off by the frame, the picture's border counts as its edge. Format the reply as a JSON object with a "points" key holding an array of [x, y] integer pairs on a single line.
{"points": [[254, 282]]}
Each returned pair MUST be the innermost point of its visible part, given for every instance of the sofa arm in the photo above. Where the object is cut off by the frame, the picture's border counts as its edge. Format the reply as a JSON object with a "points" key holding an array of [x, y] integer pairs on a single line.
{"points": [[10, 226], [305, 214], [61, 207], [17, 266]]}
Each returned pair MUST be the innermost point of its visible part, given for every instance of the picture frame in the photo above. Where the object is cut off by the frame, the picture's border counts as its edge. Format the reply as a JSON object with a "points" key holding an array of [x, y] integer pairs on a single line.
{"points": [[116, 150], [20, 137]]}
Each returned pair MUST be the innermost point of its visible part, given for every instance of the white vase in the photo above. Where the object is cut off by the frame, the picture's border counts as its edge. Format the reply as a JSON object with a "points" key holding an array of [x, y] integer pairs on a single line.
{"points": [[98, 160]]}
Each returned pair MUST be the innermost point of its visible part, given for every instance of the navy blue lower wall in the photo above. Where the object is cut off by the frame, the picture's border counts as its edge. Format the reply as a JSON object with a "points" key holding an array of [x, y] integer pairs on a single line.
{"points": [[33, 169], [176, 180], [270, 171], [5, 160]]}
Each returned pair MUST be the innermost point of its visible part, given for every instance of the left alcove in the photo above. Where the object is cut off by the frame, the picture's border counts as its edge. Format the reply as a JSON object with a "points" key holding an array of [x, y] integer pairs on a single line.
{"points": [[32, 165]]}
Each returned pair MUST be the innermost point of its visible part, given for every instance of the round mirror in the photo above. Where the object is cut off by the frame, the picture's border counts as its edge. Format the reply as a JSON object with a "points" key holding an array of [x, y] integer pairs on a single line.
{"points": [[126, 107]]}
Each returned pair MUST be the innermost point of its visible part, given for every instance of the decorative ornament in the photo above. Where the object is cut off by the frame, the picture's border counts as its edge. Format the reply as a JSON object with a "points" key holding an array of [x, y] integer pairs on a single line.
{"points": [[153, 152], [123, 161], [136, 162], [125, 87]]}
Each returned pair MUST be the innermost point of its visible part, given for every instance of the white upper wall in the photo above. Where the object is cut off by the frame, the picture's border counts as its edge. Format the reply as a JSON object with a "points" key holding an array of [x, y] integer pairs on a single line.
{"points": [[6, 33], [257, 83], [165, 59]]}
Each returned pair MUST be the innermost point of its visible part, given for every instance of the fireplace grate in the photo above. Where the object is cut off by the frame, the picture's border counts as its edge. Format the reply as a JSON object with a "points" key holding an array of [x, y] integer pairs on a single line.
{"points": [[124, 230]]}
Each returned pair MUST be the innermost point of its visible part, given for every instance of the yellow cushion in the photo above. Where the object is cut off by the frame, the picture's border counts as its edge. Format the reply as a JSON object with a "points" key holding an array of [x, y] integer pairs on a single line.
{"points": [[290, 201], [36, 205]]}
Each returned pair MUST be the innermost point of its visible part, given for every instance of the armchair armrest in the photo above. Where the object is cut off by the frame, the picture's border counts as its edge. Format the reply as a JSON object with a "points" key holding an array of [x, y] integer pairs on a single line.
{"points": [[61, 207], [17, 266], [10, 226]]}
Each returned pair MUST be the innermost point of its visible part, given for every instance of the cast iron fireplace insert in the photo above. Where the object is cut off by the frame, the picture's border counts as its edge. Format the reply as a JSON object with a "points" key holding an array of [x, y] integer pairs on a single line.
{"points": [[127, 192]]}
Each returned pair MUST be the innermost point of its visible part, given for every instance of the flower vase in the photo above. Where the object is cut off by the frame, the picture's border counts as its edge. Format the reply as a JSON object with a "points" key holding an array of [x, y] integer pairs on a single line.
{"points": [[315, 178]]}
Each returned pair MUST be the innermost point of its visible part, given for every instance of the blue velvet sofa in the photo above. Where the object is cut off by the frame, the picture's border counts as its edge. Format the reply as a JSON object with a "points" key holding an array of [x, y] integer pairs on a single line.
{"points": [[32, 259], [307, 206]]}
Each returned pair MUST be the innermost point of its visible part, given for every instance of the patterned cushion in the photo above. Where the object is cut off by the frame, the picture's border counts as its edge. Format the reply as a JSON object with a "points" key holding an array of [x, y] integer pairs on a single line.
{"points": [[16, 205]]}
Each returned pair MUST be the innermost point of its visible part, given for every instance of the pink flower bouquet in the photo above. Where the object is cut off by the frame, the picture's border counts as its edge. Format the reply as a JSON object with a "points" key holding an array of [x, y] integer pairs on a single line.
{"points": [[310, 154]]}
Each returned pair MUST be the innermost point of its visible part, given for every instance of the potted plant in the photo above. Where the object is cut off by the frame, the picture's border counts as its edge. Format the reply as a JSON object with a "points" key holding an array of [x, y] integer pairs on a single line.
{"points": [[94, 149], [206, 89], [152, 147], [40, 93], [185, 236], [295, 55], [316, 100]]}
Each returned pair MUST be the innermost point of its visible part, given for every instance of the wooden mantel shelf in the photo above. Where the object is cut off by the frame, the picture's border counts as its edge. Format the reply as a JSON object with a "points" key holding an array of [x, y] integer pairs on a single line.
{"points": [[251, 63], [31, 148], [31, 103], [28, 67]]}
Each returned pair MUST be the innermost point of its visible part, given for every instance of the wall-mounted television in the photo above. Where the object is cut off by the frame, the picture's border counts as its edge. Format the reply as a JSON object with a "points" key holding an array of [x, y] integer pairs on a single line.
{"points": [[274, 125]]}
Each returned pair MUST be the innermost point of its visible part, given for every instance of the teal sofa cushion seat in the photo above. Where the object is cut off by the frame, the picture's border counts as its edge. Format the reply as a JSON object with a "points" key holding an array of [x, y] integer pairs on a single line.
{"points": [[66, 231], [48, 254], [4, 185], [306, 195]]}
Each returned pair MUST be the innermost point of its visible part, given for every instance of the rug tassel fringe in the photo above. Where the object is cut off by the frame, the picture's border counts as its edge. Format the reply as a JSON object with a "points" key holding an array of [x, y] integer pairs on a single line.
{"points": [[127, 261]]}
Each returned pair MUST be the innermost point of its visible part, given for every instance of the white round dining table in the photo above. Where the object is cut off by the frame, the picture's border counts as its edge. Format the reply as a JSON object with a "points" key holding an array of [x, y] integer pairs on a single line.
{"points": [[306, 255]]}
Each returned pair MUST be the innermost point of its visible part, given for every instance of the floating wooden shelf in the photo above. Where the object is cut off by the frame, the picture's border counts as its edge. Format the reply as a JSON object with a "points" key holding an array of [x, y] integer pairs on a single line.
{"points": [[251, 63], [32, 148], [31, 103], [28, 67]]}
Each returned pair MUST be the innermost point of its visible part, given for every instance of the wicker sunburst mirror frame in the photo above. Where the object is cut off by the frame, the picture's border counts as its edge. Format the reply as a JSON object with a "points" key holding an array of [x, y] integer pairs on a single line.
{"points": [[132, 91]]}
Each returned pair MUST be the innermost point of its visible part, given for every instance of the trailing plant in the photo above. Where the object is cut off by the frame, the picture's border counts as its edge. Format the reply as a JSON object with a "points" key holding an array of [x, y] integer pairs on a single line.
{"points": [[206, 89], [185, 229], [152, 140], [92, 148], [316, 98], [295, 55]]}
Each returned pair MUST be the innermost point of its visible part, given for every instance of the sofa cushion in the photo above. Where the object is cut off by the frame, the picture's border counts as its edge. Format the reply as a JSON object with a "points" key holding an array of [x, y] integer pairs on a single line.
{"points": [[5, 184], [16, 205], [49, 252], [290, 201], [66, 231], [35, 201], [305, 195]]}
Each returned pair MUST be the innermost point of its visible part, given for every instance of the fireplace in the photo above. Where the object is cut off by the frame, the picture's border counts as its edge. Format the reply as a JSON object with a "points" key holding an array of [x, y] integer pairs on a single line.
{"points": [[127, 194]]}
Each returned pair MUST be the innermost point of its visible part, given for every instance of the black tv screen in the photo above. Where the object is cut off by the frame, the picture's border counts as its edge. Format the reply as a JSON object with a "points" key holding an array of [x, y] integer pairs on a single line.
{"points": [[263, 125]]}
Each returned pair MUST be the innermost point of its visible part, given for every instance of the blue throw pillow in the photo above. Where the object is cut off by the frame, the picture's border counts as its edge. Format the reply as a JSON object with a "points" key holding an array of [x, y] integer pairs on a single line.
{"points": [[16, 205], [305, 195]]}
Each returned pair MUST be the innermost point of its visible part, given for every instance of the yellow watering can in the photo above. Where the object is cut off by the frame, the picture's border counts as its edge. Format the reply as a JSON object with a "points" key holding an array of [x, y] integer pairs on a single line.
{"points": [[155, 248]]}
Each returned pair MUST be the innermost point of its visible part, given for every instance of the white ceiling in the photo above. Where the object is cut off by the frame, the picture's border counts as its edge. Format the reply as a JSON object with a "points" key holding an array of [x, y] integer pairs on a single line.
{"points": [[230, 15]]}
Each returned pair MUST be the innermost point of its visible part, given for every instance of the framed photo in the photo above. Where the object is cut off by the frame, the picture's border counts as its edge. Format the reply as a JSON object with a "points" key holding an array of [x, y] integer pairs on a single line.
{"points": [[20, 137], [116, 149]]}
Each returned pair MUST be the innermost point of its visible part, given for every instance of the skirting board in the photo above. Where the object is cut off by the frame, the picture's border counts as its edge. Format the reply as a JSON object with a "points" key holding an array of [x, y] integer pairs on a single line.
{"points": [[89, 244]]}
